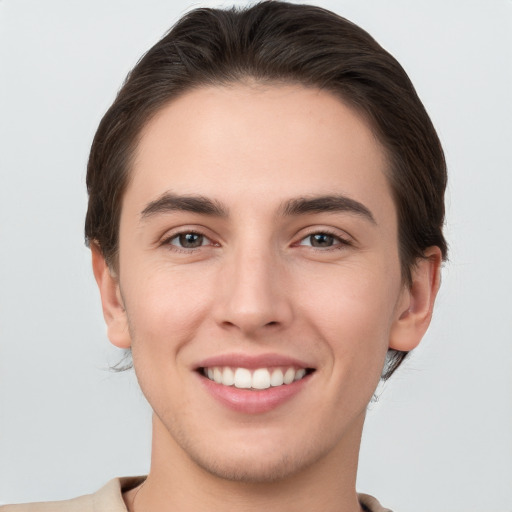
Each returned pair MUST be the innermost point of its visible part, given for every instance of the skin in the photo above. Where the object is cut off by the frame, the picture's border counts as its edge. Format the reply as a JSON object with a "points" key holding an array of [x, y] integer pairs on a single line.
{"points": [[257, 284]]}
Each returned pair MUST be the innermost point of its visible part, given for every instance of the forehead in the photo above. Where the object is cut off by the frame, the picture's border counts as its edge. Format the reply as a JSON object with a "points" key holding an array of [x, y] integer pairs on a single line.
{"points": [[246, 142]]}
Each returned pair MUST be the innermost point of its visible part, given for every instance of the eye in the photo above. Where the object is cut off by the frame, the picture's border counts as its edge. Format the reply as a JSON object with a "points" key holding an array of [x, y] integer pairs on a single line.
{"points": [[323, 241], [188, 240]]}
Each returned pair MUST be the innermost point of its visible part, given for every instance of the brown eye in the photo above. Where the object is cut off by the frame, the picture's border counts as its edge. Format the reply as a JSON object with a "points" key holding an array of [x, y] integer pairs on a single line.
{"points": [[321, 240], [189, 240]]}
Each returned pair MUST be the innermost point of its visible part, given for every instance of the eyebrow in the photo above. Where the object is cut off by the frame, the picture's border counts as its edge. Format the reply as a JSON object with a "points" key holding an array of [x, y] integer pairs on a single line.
{"points": [[326, 204], [169, 202]]}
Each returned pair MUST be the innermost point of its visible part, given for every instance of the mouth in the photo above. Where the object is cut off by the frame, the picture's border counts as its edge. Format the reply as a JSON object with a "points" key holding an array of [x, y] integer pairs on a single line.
{"points": [[254, 384], [255, 379]]}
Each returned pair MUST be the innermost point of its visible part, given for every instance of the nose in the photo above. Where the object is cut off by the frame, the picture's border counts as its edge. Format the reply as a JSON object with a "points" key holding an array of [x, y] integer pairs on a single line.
{"points": [[253, 294]]}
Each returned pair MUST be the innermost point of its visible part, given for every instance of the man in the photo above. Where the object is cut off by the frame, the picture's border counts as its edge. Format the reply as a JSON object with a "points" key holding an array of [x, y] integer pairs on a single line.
{"points": [[265, 220]]}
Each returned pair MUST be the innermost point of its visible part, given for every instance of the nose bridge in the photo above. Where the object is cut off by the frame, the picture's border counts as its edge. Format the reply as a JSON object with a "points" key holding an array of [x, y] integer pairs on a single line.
{"points": [[253, 295]]}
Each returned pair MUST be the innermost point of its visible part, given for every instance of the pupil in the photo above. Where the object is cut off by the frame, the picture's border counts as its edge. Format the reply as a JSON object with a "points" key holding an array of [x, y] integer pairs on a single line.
{"points": [[191, 240], [321, 240]]}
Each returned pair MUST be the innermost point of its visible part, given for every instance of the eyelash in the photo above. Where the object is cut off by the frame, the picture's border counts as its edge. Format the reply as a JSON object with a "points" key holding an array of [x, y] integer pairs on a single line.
{"points": [[187, 250], [339, 242]]}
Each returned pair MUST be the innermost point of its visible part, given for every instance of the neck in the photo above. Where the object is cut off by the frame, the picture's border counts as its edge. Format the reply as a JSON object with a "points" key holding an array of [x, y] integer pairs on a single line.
{"points": [[176, 482]]}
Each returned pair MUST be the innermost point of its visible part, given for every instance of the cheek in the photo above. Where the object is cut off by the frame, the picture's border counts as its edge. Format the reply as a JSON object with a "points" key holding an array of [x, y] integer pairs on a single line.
{"points": [[353, 310], [165, 311], [165, 308]]}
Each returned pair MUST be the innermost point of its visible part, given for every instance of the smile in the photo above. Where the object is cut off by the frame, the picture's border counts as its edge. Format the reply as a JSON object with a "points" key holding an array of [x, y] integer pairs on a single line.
{"points": [[258, 379]]}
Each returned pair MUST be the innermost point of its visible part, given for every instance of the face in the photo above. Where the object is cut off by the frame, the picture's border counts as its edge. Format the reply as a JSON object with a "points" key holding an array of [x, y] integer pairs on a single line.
{"points": [[259, 281]]}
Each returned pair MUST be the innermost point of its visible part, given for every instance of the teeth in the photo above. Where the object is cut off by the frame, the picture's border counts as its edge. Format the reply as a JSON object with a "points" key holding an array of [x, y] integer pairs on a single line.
{"points": [[228, 377], [299, 374], [262, 378], [277, 378], [217, 375], [289, 376], [243, 378]]}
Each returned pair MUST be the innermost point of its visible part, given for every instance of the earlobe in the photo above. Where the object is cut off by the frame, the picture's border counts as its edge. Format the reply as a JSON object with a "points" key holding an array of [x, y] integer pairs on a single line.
{"points": [[111, 300], [415, 308]]}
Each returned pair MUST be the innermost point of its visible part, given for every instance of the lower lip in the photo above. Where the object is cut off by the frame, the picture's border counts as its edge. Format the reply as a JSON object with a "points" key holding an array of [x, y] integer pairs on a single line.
{"points": [[253, 401]]}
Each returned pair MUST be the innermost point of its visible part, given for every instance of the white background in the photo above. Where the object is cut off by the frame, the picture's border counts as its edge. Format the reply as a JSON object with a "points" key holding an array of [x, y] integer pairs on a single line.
{"points": [[439, 439]]}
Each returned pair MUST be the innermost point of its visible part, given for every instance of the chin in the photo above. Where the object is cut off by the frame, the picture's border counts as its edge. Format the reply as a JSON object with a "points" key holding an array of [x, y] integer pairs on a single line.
{"points": [[255, 461], [252, 470]]}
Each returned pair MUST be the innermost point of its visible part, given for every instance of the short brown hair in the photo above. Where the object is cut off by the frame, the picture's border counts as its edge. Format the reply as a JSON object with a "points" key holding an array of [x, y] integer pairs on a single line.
{"points": [[277, 42]]}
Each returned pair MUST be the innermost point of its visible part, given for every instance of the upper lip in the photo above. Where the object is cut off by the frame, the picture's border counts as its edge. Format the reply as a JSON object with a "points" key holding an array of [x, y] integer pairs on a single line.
{"points": [[252, 362]]}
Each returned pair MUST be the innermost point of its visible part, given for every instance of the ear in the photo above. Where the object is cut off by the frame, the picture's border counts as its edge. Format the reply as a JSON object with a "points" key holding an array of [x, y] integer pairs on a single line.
{"points": [[417, 302], [111, 300]]}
